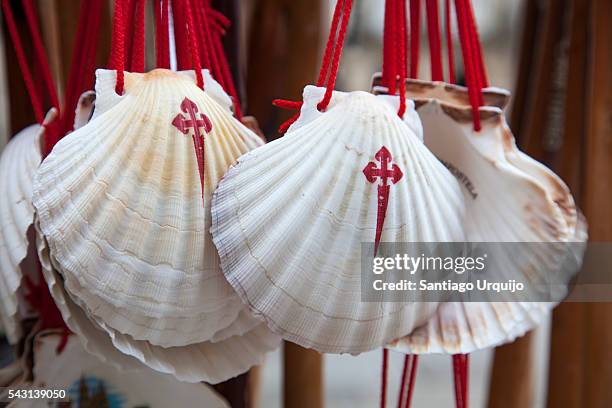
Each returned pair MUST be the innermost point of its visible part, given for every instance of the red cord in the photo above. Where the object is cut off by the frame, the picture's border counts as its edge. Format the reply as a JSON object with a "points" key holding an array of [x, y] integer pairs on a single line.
{"points": [[130, 15], [180, 35], [165, 35], [331, 82], [327, 55], [21, 60], [433, 31], [39, 50], [214, 60], [193, 45], [449, 41], [404, 381], [415, 32], [383, 383], [468, 61], [401, 32], [477, 46], [407, 383], [389, 47], [118, 45], [138, 46], [198, 12], [412, 379]]}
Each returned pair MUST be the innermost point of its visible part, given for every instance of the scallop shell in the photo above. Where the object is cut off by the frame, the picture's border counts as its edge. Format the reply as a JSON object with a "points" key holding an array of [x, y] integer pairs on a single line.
{"points": [[289, 219], [121, 205], [497, 179], [212, 362], [142, 388], [18, 163]]}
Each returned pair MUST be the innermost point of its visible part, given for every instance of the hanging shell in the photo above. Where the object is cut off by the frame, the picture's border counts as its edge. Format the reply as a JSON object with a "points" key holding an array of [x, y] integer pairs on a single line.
{"points": [[121, 205], [18, 163], [497, 179], [289, 219], [206, 361]]}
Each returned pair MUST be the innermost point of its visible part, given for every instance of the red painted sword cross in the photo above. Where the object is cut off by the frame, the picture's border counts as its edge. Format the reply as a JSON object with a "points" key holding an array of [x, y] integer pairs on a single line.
{"points": [[383, 174], [195, 121]]}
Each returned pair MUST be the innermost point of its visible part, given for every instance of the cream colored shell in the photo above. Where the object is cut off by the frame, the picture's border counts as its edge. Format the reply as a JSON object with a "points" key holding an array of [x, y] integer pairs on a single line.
{"points": [[18, 164], [120, 203], [536, 207], [206, 361], [289, 219]]}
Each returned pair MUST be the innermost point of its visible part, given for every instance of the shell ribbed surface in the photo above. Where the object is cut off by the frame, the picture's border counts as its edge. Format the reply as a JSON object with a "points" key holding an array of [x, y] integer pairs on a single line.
{"points": [[290, 217], [121, 206], [509, 198], [18, 163]]}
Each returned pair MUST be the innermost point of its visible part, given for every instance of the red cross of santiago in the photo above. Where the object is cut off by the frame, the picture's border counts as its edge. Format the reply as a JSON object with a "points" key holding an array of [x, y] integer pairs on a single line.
{"points": [[383, 173], [195, 121]]}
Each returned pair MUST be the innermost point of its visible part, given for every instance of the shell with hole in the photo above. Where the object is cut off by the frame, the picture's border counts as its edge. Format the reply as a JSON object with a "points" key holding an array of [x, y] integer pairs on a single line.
{"points": [[289, 220], [212, 362], [496, 179], [124, 204], [18, 164]]}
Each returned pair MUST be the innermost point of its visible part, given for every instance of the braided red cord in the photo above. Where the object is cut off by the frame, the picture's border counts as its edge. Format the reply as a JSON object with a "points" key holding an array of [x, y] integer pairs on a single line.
{"points": [[449, 41], [383, 383], [404, 380], [401, 32], [157, 18], [214, 60], [388, 66], [21, 60], [165, 35], [118, 45], [433, 31], [468, 61], [415, 32], [412, 379], [457, 381], [331, 82], [327, 55], [130, 16], [477, 46], [180, 35], [39, 50], [138, 47], [198, 11], [193, 44]]}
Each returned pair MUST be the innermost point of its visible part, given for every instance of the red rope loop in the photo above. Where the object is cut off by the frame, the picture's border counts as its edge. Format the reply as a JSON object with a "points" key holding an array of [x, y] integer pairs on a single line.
{"points": [[407, 383], [401, 32], [461, 378], [193, 44], [329, 64], [333, 74]]}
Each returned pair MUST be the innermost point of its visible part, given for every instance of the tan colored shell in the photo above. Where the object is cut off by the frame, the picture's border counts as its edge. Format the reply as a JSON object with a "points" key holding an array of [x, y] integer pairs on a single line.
{"points": [[497, 179], [120, 204], [290, 217]]}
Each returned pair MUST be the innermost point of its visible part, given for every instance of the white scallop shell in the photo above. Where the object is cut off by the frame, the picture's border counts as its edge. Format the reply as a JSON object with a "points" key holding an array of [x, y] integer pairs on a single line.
{"points": [[18, 163], [212, 362], [120, 204], [536, 207], [289, 219]]}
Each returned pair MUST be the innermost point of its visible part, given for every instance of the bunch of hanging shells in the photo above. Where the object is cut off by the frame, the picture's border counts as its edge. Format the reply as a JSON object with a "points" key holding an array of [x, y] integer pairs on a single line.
{"points": [[290, 217], [124, 206], [18, 164], [509, 198]]}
